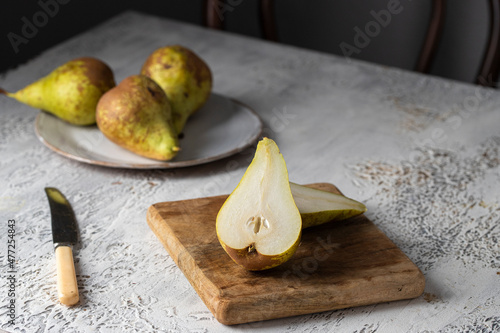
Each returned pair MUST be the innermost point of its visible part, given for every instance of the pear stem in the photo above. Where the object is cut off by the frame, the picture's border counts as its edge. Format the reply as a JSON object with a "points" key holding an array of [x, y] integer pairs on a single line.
{"points": [[3, 92]]}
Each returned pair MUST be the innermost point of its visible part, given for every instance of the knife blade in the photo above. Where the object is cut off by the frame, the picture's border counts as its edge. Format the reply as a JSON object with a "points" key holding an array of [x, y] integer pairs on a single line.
{"points": [[64, 236]]}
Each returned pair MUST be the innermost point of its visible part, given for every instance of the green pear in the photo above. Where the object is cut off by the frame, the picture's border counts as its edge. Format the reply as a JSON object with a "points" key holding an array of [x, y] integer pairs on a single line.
{"points": [[261, 222], [136, 115], [71, 91], [185, 78], [317, 207], [259, 225]]}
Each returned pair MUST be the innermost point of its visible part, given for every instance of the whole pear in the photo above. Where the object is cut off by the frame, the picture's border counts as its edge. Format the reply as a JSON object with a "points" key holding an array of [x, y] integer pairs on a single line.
{"points": [[71, 91], [185, 78], [136, 115]]}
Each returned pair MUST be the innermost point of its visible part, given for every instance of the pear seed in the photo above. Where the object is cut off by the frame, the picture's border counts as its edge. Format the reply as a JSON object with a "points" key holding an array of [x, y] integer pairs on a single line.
{"points": [[257, 223]]}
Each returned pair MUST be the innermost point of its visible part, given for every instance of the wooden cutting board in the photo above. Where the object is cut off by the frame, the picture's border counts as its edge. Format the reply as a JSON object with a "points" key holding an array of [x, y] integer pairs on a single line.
{"points": [[337, 265]]}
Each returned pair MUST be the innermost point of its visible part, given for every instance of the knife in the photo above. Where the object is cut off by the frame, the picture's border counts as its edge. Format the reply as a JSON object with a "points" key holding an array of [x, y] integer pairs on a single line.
{"points": [[64, 236]]}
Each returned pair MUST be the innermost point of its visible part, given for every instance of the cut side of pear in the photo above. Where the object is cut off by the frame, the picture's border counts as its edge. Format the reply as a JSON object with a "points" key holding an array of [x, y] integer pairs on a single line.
{"points": [[317, 207], [259, 225]]}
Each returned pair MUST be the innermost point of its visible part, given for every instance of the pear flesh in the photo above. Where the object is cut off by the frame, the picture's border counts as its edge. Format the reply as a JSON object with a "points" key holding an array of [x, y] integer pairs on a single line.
{"points": [[259, 225], [185, 78], [71, 91], [317, 207], [136, 115]]}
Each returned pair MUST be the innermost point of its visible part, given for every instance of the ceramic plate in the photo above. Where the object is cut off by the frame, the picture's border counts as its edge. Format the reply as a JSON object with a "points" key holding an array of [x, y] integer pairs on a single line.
{"points": [[222, 127]]}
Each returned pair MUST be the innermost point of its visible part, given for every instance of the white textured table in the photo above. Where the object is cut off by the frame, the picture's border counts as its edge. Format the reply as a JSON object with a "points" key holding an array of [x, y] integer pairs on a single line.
{"points": [[421, 152]]}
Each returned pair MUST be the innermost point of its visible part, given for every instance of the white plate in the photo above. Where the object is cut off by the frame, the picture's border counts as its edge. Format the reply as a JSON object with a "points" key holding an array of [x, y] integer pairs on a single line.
{"points": [[222, 127]]}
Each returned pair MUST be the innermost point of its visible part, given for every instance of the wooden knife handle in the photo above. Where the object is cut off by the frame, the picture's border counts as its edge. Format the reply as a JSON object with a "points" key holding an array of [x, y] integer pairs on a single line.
{"points": [[67, 286]]}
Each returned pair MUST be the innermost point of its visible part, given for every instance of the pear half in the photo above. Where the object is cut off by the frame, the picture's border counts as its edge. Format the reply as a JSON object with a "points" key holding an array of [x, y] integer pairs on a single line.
{"points": [[317, 207], [259, 225]]}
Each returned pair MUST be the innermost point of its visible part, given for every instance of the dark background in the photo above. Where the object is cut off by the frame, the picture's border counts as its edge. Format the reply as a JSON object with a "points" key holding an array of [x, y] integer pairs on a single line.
{"points": [[320, 25]]}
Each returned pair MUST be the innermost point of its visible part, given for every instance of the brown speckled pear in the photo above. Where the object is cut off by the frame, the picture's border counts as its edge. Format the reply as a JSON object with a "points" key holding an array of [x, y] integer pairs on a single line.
{"points": [[259, 225], [71, 91], [185, 78], [136, 115]]}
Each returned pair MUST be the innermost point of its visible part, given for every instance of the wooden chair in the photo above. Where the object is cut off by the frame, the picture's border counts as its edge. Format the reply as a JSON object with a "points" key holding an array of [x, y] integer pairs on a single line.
{"points": [[490, 66], [212, 17]]}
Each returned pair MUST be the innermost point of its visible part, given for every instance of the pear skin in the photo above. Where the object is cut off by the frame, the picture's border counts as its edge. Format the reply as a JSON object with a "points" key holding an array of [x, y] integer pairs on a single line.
{"points": [[317, 207], [252, 260], [136, 115], [259, 225], [71, 91], [185, 78]]}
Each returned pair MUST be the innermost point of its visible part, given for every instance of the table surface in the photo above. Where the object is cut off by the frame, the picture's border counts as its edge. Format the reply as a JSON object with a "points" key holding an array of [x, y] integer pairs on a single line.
{"points": [[421, 152]]}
